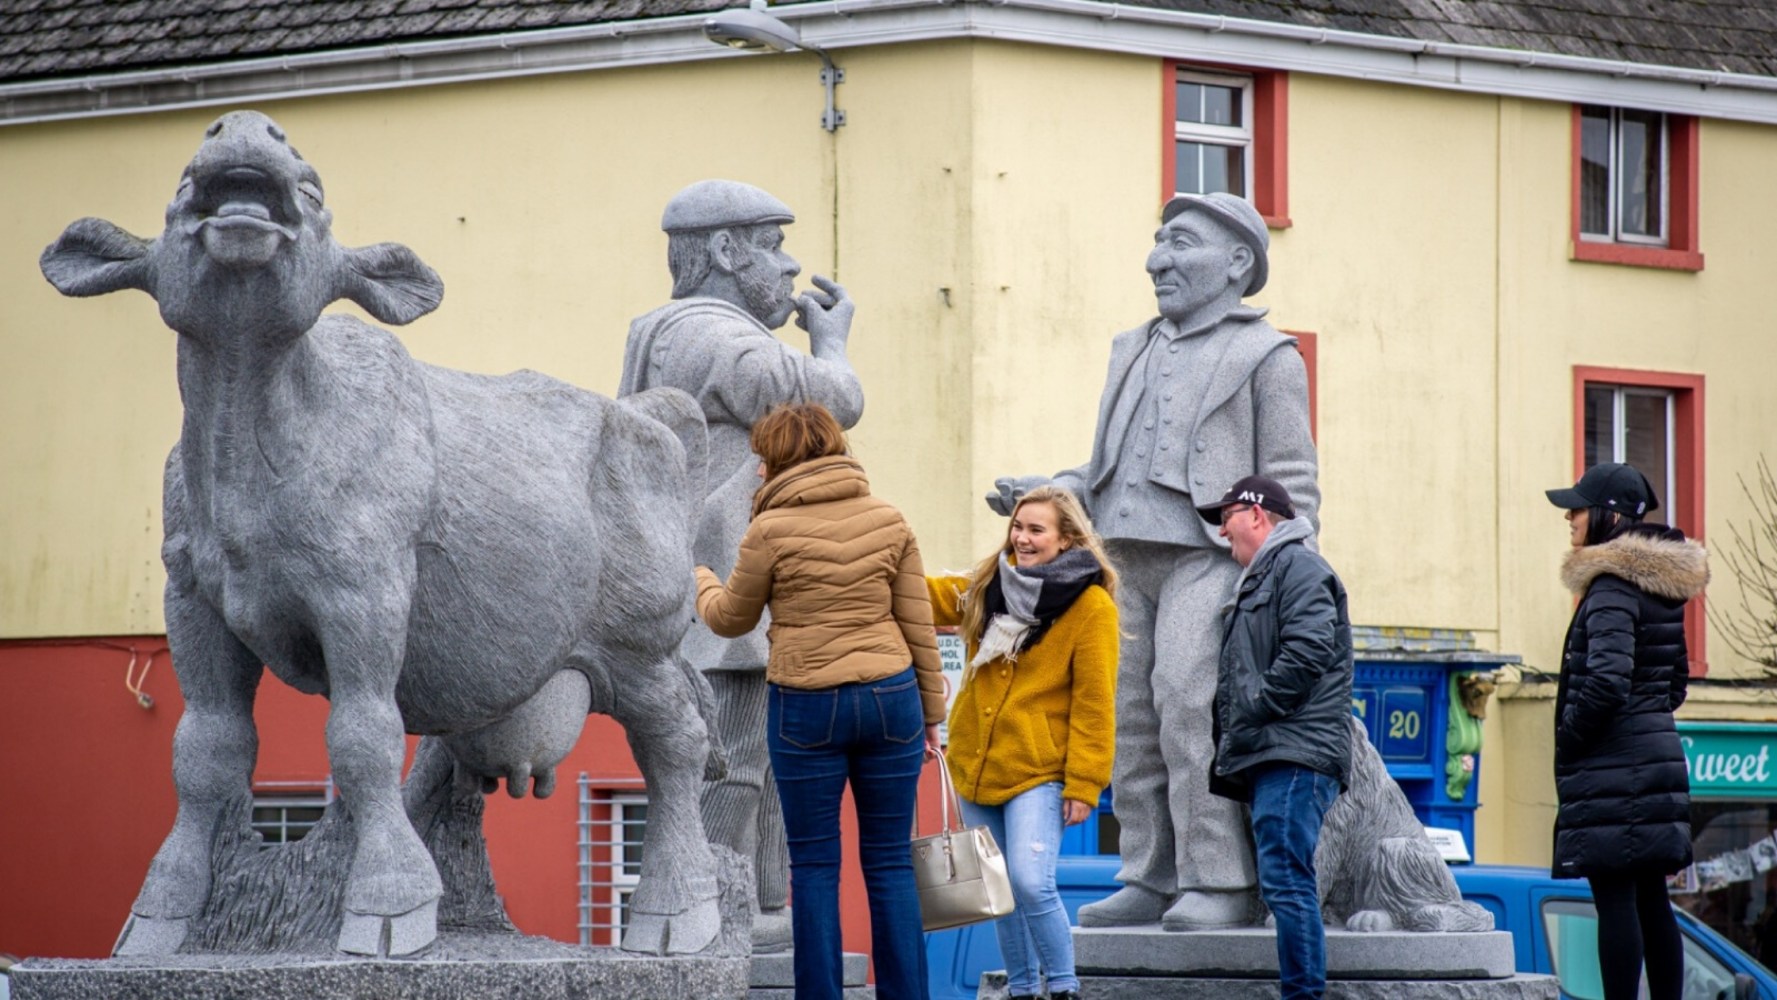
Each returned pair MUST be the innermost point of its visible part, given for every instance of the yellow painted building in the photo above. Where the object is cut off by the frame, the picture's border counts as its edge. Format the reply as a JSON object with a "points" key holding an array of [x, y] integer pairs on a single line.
{"points": [[989, 203]]}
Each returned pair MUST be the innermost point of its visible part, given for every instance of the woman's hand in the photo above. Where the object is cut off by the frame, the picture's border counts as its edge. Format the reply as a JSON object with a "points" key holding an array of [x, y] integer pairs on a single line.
{"points": [[932, 744], [1074, 812]]}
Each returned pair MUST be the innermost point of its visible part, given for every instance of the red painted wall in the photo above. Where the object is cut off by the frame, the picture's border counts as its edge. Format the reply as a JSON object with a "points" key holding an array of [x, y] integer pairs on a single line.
{"points": [[91, 797]]}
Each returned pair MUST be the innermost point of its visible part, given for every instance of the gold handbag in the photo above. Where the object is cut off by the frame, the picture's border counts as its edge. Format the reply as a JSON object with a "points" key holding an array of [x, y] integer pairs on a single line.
{"points": [[961, 873]]}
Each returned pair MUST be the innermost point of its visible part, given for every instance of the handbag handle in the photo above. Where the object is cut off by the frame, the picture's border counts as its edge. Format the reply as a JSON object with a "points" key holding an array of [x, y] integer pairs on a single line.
{"points": [[945, 800]]}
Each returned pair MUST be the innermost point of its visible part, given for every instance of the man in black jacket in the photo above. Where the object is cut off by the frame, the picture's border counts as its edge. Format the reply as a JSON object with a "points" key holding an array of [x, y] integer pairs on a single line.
{"points": [[1283, 701]]}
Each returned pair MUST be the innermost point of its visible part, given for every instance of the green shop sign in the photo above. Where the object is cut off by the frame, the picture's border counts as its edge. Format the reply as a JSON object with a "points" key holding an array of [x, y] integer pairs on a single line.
{"points": [[1730, 759]]}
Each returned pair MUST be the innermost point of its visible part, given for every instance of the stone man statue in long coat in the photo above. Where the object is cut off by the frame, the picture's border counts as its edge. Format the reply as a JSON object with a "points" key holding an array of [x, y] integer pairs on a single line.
{"points": [[731, 289], [1198, 397]]}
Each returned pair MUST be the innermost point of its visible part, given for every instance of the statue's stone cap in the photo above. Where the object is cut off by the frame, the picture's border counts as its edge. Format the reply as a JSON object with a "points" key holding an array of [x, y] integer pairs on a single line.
{"points": [[1237, 214], [714, 204]]}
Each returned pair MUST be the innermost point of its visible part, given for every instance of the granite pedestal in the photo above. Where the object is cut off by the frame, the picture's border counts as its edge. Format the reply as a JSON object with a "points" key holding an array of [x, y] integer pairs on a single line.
{"points": [[1147, 963], [1518, 987], [773, 977], [1251, 952], [456, 967]]}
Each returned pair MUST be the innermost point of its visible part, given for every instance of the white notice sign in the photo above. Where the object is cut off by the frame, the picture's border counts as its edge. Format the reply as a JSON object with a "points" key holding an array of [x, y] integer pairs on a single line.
{"points": [[1449, 844], [950, 658]]}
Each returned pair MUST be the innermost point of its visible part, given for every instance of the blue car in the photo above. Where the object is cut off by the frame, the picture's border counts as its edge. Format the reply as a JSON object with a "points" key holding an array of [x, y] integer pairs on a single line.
{"points": [[1555, 931], [1553, 925]]}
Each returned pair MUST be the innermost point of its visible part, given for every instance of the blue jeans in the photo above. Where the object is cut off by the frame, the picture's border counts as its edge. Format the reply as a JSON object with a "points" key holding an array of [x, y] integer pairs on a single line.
{"points": [[873, 736], [1289, 803], [1034, 938]]}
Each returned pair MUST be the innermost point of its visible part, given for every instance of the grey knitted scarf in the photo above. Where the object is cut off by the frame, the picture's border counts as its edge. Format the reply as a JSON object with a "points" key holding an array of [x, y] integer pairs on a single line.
{"points": [[1022, 602]]}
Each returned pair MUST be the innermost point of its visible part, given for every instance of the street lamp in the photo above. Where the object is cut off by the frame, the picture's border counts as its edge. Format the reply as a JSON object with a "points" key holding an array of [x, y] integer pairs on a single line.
{"points": [[756, 30]]}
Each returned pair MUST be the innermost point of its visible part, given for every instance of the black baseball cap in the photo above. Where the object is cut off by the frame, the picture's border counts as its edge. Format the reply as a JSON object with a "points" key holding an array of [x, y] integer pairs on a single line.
{"points": [[1611, 485], [1255, 490]]}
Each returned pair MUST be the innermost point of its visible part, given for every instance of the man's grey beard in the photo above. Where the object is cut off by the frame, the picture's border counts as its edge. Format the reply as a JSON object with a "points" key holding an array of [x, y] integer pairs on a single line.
{"points": [[762, 290]]}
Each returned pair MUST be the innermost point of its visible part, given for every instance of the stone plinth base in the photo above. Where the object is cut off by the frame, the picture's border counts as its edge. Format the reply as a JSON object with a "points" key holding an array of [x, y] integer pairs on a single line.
{"points": [[773, 977], [1518, 987], [1251, 952], [457, 967]]}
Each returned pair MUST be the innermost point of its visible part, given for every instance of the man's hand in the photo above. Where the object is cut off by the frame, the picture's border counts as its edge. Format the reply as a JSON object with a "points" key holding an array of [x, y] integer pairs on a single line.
{"points": [[1008, 490], [826, 315], [933, 746], [1074, 812]]}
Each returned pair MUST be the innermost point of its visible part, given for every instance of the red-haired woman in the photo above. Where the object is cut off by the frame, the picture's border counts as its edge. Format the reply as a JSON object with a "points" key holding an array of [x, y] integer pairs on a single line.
{"points": [[856, 693]]}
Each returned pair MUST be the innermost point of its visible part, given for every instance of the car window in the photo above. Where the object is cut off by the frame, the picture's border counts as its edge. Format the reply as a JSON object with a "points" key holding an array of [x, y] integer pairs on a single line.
{"points": [[1572, 929]]}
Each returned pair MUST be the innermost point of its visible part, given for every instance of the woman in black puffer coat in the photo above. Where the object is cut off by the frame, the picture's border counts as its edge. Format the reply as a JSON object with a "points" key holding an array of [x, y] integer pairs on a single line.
{"points": [[1624, 820]]}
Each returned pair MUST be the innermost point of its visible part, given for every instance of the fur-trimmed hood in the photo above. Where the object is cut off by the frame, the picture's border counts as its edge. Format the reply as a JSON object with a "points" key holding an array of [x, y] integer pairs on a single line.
{"points": [[1659, 561]]}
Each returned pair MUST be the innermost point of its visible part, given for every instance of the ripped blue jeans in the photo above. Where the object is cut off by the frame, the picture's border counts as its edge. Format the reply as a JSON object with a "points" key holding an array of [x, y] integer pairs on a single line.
{"points": [[1035, 939]]}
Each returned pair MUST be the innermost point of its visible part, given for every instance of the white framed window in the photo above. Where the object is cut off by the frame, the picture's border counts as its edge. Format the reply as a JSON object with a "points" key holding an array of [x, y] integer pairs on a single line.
{"points": [[611, 823], [1212, 133], [285, 811], [1638, 425], [1624, 175]]}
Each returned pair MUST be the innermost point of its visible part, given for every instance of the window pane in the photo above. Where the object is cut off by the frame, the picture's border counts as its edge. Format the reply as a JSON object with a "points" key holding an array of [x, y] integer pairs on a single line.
{"points": [[1643, 158], [1224, 170], [632, 827], [1645, 417], [286, 819], [1572, 929], [1595, 171], [1190, 101], [1188, 177], [1704, 975], [268, 821], [1109, 833], [1221, 105], [1600, 424]]}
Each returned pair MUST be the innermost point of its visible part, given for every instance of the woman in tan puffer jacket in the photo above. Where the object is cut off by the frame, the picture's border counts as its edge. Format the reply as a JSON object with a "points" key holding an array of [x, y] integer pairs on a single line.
{"points": [[856, 693]]}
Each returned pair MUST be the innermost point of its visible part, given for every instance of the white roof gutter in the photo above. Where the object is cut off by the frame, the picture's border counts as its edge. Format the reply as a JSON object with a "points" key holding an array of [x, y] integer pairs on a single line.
{"points": [[840, 24]]}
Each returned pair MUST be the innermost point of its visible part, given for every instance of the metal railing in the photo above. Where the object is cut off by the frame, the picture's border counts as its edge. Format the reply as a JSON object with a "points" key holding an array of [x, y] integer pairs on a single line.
{"points": [[613, 814]]}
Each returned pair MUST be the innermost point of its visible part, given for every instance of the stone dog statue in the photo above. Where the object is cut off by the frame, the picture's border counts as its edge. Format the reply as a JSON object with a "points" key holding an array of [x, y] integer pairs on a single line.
{"points": [[482, 559], [1377, 869]]}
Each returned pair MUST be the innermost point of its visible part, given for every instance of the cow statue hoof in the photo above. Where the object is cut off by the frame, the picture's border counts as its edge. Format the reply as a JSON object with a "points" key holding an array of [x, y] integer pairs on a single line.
{"points": [[379, 936], [684, 933], [145, 935]]}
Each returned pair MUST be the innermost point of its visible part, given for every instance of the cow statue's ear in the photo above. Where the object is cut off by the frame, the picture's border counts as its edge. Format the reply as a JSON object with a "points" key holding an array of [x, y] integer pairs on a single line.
{"points": [[93, 257], [390, 282]]}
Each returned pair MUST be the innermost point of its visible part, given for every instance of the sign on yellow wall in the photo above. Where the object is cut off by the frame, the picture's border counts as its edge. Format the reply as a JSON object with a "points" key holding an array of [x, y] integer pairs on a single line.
{"points": [[1729, 760]]}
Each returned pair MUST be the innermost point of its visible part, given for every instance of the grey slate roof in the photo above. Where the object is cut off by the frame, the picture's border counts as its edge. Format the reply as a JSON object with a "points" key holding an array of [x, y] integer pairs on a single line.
{"points": [[1733, 36], [58, 38], [51, 38]]}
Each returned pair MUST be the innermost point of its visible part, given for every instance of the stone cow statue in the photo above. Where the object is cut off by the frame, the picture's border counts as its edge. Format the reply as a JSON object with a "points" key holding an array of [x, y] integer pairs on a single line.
{"points": [[482, 559]]}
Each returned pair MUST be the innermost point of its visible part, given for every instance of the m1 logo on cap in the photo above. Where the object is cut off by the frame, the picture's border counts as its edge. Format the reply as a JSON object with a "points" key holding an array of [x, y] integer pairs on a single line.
{"points": [[1248, 496]]}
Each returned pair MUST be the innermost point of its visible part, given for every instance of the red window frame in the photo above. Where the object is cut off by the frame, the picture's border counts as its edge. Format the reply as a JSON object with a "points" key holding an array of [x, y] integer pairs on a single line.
{"points": [[1271, 135], [1681, 251], [1308, 345], [1687, 392]]}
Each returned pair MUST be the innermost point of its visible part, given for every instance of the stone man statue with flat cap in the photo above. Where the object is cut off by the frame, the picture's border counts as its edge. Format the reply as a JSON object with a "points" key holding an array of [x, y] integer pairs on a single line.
{"points": [[1198, 397], [731, 289]]}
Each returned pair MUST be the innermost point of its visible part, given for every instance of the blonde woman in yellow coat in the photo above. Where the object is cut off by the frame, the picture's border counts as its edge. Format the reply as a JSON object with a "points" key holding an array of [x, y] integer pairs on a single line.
{"points": [[1032, 730]]}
